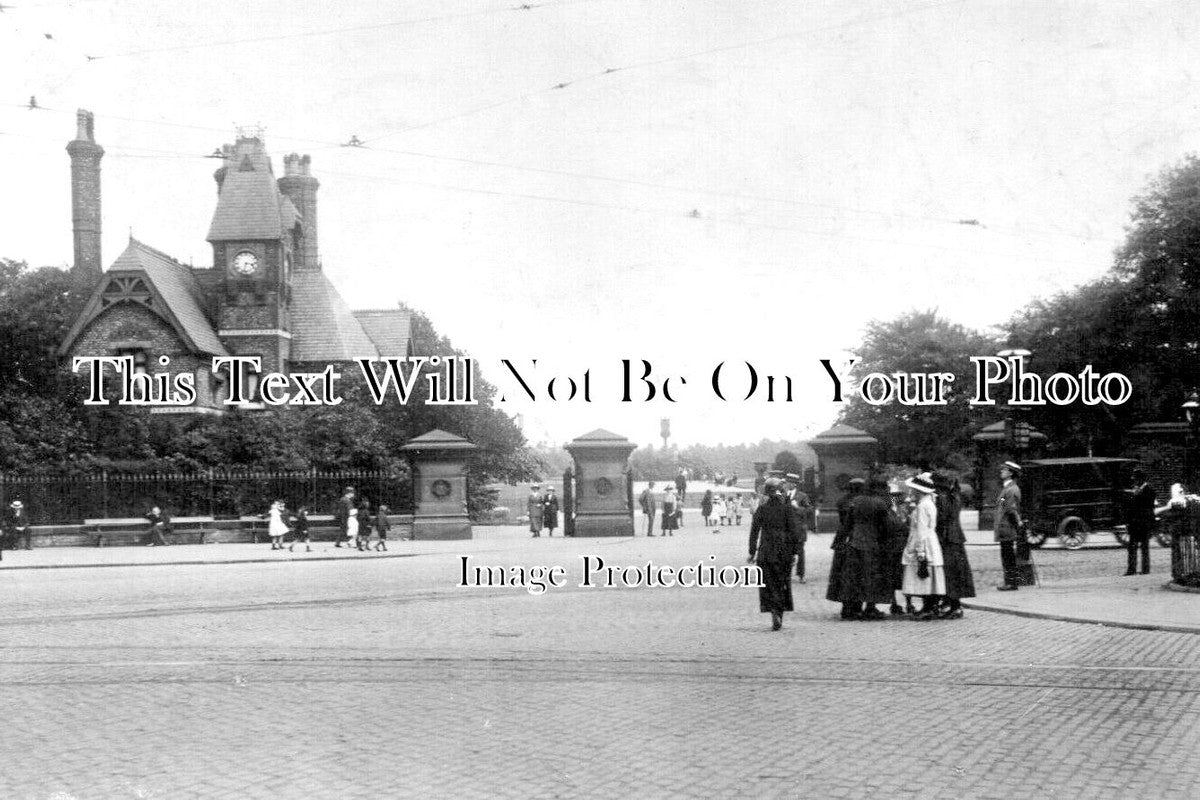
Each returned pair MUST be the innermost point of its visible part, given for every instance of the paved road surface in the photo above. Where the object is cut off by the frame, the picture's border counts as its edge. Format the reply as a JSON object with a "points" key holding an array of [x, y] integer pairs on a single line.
{"points": [[380, 679]]}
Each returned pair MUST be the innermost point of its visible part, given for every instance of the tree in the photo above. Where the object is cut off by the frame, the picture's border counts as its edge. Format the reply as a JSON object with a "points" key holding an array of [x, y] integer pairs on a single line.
{"points": [[1142, 319], [921, 342]]}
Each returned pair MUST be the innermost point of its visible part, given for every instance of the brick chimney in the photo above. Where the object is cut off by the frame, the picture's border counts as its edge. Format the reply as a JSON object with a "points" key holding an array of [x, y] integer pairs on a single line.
{"points": [[85, 199], [299, 186]]}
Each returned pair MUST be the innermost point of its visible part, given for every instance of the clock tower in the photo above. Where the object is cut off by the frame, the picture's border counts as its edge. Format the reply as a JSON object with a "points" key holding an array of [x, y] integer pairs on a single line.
{"points": [[255, 233]]}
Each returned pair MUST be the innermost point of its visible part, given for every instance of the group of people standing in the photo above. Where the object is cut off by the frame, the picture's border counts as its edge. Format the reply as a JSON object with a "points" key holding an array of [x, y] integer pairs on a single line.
{"points": [[888, 545], [543, 510]]}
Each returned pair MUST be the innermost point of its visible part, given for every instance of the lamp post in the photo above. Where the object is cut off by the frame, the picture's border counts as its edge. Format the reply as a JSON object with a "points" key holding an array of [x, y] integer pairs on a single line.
{"points": [[1191, 412]]}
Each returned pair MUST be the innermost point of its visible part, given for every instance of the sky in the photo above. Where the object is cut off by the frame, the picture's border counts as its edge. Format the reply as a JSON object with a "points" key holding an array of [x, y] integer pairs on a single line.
{"points": [[585, 181]]}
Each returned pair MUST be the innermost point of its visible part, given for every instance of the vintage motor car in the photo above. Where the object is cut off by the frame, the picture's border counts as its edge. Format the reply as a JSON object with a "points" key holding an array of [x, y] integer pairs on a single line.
{"points": [[1073, 497]]}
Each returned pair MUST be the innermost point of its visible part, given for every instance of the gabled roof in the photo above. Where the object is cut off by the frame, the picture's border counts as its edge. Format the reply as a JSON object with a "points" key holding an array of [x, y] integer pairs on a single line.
{"points": [[390, 330], [250, 205], [323, 327], [439, 440], [172, 291]]}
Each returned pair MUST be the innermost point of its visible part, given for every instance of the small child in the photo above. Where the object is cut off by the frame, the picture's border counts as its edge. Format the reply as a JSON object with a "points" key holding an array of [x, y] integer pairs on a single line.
{"points": [[352, 529], [382, 526], [276, 527], [300, 530]]}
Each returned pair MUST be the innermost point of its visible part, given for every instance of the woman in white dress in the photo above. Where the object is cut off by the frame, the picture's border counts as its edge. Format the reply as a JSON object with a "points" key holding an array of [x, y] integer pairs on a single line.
{"points": [[276, 527], [924, 573]]}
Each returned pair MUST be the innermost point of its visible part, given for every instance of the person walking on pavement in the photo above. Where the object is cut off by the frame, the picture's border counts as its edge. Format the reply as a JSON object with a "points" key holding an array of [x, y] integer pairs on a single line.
{"points": [[1008, 524], [276, 526], [706, 507], [960, 583], [300, 533], [382, 526], [670, 515], [646, 500], [342, 514], [533, 505], [773, 546], [16, 524], [160, 523], [1140, 522], [550, 511], [924, 567], [681, 493]]}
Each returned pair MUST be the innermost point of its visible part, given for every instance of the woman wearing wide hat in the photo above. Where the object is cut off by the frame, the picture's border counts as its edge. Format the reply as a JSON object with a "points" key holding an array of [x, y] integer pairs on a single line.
{"points": [[924, 567]]}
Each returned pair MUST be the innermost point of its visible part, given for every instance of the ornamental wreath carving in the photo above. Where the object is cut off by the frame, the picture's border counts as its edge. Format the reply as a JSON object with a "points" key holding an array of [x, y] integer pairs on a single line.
{"points": [[440, 489]]}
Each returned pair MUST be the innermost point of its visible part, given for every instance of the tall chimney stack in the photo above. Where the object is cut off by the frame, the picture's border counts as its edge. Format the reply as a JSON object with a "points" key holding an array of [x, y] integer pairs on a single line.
{"points": [[299, 186], [85, 198]]}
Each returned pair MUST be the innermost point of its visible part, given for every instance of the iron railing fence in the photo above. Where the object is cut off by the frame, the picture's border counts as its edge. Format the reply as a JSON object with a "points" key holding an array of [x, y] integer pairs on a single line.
{"points": [[217, 493]]}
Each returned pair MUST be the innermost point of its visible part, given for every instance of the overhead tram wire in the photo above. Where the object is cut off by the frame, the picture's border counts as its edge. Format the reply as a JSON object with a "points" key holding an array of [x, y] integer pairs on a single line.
{"points": [[336, 31], [564, 84], [1013, 231]]}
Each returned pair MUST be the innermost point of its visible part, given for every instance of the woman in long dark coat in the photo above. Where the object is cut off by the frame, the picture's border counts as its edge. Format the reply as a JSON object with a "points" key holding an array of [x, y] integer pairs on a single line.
{"points": [[864, 579], [841, 540], [773, 546], [960, 582], [897, 539]]}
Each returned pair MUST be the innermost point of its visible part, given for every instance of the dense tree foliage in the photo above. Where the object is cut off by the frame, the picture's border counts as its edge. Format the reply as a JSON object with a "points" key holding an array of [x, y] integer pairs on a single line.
{"points": [[45, 427], [921, 342]]}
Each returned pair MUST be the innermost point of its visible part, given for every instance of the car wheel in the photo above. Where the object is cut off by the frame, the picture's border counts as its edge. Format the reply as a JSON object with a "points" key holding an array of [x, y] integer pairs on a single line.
{"points": [[1035, 538], [1163, 536], [1073, 532], [1121, 534]]}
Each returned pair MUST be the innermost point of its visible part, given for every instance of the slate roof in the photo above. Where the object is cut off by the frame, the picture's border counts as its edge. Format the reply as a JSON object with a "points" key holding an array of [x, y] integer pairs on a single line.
{"points": [[323, 327], [175, 285], [250, 205], [437, 439], [841, 434], [390, 330]]}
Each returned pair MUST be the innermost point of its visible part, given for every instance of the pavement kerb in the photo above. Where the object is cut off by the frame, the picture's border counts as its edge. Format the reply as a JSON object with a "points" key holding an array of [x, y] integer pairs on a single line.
{"points": [[976, 605], [210, 561]]}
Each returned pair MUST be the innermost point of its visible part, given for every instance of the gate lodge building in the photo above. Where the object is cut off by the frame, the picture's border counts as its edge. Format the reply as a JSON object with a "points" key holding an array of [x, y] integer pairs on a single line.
{"points": [[264, 295]]}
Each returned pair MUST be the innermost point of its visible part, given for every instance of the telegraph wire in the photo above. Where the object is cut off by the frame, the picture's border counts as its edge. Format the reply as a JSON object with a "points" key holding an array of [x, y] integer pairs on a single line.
{"points": [[335, 31], [564, 84], [354, 142]]}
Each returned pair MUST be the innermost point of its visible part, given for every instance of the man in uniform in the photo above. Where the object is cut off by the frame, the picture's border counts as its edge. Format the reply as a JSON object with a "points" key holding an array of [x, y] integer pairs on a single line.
{"points": [[1141, 521], [773, 545], [646, 500], [1008, 524]]}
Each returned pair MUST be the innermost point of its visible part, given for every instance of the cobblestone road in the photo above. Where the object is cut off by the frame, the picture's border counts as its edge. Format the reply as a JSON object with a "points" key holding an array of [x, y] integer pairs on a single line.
{"points": [[380, 679]]}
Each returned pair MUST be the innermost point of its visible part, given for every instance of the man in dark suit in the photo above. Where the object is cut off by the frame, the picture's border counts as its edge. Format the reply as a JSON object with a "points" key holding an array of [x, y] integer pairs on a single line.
{"points": [[802, 511], [1140, 522], [1008, 524], [773, 545], [646, 499], [341, 514], [550, 511], [16, 524]]}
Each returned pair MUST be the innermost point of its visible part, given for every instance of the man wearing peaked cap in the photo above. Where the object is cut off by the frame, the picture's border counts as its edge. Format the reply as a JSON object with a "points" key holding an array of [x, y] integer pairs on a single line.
{"points": [[16, 524], [802, 514], [533, 504], [1008, 524]]}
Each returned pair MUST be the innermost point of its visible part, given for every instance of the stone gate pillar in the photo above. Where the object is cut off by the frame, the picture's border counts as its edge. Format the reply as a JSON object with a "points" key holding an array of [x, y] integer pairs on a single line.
{"points": [[843, 453], [602, 501], [439, 467]]}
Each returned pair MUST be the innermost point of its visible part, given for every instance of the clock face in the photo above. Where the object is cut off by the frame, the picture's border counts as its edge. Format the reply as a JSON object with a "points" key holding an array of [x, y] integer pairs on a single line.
{"points": [[245, 263]]}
